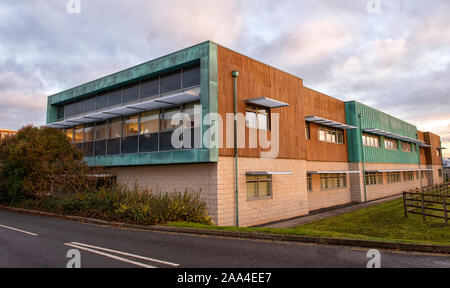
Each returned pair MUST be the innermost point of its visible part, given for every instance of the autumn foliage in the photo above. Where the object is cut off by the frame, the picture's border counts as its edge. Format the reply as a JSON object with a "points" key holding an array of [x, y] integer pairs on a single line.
{"points": [[41, 162]]}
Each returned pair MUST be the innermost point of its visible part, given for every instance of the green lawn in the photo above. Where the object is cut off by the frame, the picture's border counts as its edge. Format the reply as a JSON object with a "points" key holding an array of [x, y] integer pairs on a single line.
{"points": [[383, 222]]}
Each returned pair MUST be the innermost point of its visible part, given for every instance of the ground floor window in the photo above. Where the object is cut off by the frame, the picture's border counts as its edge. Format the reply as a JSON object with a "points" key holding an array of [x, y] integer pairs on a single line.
{"points": [[309, 182], [259, 187], [408, 176], [333, 181], [374, 178], [393, 177]]}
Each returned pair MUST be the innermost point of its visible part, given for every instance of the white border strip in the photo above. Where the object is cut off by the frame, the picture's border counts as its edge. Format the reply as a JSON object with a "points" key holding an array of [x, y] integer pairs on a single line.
{"points": [[18, 230]]}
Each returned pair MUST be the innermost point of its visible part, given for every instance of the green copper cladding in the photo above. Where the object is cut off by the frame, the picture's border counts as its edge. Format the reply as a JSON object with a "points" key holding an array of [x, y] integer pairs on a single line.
{"points": [[373, 118], [204, 53]]}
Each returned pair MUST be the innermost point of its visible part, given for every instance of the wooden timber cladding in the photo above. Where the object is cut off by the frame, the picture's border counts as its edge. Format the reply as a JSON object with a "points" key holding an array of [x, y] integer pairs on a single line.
{"points": [[435, 141], [319, 104], [259, 80], [423, 157]]}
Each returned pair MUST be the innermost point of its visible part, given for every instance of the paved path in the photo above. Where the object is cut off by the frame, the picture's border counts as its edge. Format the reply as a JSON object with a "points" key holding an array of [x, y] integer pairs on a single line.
{"points": [[35, 241], [326, 214]]}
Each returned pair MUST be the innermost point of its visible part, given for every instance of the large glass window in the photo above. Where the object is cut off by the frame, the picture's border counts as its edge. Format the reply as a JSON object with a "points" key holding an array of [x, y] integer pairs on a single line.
{"points": [[406, 147], [370, 140], [374, 178], [100, 139], [115, 97], [171, 120], [390, 144], [408, 175], [331, 135], [259, 187], [191, 77], [79, 136], [114, 132], [70, 110], [69, 134], [149, 128], [60, 112], [102, 101], [307, 131], [90, 104], [130, 135], [333, 181], [131, 93], [393, 177], [309, 182], [150, 88], [257, 118], [79, 107], [171, 82]]}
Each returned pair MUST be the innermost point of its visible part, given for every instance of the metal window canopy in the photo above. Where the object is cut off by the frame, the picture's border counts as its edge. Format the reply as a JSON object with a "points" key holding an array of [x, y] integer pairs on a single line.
{"points": [[441, 148], [424, 145], [267, 102], [333, 172], [265, 173], [380, 132], [326, 122], [398, 170], [146, 105]]}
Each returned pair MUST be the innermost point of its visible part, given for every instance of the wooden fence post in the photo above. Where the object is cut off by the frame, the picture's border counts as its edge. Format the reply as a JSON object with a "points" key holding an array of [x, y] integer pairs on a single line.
{"points": [[444, 197], [423, 208], [405, 204]]}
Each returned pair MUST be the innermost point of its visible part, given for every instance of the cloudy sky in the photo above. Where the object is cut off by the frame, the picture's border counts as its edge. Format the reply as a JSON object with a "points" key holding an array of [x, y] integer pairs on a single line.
{"points": [[397, 60]]}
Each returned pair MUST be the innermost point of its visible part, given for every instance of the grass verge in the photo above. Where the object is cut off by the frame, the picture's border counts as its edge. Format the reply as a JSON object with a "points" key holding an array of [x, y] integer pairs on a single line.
{"points": [[383, 222]]}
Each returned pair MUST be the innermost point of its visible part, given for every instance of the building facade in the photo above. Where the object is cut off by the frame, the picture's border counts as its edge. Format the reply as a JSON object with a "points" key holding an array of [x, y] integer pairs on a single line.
{"points": [[299, 150], [5, 132]]}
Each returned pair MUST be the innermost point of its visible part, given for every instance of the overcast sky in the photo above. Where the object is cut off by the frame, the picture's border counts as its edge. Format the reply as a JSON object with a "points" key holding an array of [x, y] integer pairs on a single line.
{"points": [[397, 60]]}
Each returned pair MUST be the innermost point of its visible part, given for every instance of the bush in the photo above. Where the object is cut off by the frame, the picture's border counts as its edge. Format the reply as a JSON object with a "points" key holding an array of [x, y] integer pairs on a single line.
{"points": [[38, 162], [138, 206]]}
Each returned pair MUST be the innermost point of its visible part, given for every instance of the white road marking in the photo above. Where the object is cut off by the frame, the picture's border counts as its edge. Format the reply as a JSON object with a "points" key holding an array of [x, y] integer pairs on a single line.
{"points": [[109, 256], [127, 254], [18, 230]]}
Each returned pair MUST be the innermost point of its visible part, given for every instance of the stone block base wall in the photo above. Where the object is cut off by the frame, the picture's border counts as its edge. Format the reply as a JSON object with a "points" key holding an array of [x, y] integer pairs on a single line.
{"points": [[201, 178], [290, 198], [318, 198]]}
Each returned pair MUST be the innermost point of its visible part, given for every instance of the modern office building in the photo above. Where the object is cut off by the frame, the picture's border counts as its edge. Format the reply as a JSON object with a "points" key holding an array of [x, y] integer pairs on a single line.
{"points": [[299, 150], [5, 132]]}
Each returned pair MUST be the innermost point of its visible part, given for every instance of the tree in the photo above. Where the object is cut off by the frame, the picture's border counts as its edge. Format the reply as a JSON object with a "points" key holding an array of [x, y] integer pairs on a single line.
{"points": [[41, 161]]}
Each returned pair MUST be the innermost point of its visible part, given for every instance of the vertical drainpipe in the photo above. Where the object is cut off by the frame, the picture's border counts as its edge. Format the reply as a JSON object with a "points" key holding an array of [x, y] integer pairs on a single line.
{"points": [[363, 157], [235, 75]]}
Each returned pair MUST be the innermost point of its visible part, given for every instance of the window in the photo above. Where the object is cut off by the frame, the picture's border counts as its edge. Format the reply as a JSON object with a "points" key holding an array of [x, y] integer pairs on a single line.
{"points": [[406, 147], [331, 135], [371, 140], [333, 181], [90, 104], [309, 182], [194, 111], [102, 101], [100, 139], [259, 187], [69, 134], [70, 110], [440, 173], [170, 82], [417, 175], [373, 178], [307, 132], [60, 112], [130, 135], [390, 144], [149, 128], [115, 97], [257, 118], [393, 177], [131, 93], [150, 88], [191, 77], [408, 175], [88, 145], [79, 134], [114, 132], [79, 107], [170, 122], [438, 152]]}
